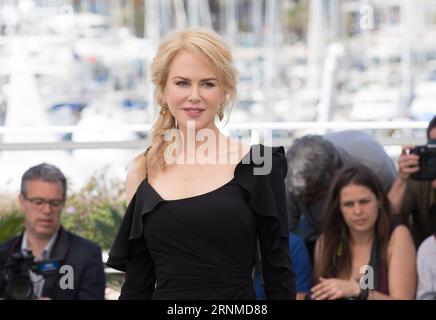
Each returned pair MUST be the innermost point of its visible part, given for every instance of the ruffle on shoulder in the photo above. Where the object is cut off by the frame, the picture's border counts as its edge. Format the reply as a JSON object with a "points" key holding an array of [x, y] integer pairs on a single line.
{"points": [[130, 238], [267, 199]]}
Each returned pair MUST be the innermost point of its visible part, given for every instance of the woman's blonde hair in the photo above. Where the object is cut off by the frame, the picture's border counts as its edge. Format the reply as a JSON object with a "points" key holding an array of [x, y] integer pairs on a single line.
{"points": [[197, 40]]}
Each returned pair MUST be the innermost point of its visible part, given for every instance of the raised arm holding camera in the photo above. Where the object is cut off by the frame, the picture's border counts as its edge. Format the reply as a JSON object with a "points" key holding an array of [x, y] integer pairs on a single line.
{"points": [[413, 194]]}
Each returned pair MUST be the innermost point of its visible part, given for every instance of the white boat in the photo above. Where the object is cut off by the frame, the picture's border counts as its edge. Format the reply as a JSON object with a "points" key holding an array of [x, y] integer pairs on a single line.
{"points": [[423, 107], [376, 103]]}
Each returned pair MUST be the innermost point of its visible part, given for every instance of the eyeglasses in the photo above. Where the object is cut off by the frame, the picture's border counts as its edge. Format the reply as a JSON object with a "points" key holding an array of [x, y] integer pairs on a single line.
{"points": [[39, 203]]}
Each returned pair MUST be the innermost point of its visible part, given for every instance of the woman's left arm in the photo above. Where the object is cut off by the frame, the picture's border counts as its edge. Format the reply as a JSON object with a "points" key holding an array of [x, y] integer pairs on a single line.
{"points": [[276, 260], [401, 267]]}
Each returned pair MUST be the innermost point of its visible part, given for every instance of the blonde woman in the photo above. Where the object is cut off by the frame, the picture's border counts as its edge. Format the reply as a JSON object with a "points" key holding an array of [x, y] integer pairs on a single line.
{"points": [[198, 199]]}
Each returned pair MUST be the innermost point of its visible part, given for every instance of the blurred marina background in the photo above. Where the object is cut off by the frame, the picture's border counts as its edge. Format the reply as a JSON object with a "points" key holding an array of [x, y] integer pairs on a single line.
{"points": [[75, 88]]}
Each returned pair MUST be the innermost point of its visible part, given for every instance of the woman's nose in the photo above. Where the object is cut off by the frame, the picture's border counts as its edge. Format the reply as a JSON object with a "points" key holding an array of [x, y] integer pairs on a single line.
{"points": [[194, 95], [357, 209]]}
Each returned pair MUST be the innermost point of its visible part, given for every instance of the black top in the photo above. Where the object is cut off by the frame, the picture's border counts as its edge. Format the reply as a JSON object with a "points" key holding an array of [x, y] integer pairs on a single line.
{"points": [[203, 247]]}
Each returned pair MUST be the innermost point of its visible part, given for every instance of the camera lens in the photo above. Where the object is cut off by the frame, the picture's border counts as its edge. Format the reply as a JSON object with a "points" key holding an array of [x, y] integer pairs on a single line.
{"points": [[20, 288]]}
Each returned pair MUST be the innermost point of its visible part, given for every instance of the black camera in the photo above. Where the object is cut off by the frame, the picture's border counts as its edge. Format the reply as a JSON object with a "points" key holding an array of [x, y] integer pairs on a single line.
{"points": [[427, 161], [15, 280]]}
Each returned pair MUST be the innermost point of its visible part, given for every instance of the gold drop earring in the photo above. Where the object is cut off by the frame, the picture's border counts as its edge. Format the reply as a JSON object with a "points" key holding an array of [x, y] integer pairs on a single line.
{"points": [[164, 110], [221, 113]]}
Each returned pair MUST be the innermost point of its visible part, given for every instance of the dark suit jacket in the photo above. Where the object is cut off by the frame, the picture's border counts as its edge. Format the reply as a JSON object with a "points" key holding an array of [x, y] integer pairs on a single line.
{"points": [[82, 255]]}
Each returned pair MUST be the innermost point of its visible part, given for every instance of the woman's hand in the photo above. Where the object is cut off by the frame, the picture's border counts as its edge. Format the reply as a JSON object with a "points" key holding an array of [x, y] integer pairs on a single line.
{"points": [[407, 163], [332, 289]]}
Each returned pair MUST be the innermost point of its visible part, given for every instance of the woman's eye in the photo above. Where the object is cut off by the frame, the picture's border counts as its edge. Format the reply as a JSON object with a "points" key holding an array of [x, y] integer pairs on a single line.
{"points": [[209, 84], [181, 83]]}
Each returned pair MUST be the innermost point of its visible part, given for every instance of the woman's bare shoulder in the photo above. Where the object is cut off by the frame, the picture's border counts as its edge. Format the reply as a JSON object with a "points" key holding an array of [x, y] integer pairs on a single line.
{"points": [[400, 239], [402, 233], [134, 178]]}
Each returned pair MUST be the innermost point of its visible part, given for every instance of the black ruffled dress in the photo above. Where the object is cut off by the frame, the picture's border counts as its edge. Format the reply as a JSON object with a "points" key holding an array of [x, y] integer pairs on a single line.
{"points": [[204, 247]]}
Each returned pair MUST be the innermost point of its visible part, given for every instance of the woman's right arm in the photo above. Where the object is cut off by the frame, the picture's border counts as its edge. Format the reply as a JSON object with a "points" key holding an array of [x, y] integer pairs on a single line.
{"points": [[140, 276], [139, 283], [133, 180], [330, 288]]}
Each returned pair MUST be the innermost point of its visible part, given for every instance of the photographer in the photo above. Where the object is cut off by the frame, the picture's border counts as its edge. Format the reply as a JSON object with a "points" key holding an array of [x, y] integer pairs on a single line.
{"points": [[42, 197], [415, 200]]}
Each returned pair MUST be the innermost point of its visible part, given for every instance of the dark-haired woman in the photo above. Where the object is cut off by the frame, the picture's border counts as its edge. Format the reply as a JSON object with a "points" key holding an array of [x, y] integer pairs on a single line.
{"points": [[362, 253]]}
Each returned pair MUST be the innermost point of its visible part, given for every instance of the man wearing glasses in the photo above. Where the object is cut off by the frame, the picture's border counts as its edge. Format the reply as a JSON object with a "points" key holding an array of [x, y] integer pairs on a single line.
{"points": [[42, 197]]}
